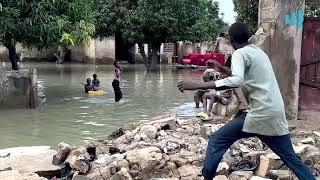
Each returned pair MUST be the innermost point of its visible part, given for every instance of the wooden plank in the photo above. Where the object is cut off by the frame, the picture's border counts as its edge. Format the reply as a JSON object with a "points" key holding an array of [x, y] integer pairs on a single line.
{"points": [[308, 62], [308, 83]]}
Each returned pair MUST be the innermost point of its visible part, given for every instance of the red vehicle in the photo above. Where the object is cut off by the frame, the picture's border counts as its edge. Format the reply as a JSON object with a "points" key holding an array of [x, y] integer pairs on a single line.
{"points": [[202, 59]]}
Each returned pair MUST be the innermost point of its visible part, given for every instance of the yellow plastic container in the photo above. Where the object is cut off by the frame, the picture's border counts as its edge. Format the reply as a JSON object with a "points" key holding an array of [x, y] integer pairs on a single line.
{"points": [[96, 93]]}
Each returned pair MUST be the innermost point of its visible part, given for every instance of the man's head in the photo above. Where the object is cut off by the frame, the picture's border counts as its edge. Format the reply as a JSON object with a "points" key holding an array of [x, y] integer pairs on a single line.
{"points": [[88, 81], [239, 35], [94, 76], [116, 64]]}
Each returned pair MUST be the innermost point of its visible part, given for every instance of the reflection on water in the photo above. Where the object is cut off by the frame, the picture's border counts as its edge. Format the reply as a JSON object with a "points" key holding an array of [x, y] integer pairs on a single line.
{"points": [[67, 114]]}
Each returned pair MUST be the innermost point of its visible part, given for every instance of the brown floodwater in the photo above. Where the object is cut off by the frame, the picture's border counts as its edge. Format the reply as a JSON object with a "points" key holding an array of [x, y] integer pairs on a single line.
{"points": [[67, 114]]}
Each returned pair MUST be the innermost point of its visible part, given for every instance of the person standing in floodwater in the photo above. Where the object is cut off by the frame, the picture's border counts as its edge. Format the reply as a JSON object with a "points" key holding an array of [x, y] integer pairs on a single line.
{"points": [[116, 82]]}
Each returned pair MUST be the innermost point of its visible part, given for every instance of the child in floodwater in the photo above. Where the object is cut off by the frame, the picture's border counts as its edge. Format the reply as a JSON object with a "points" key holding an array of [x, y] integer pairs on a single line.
{"points": [[206, 78], [95, 82], [88, 87], [116, 82], [223, 97]]}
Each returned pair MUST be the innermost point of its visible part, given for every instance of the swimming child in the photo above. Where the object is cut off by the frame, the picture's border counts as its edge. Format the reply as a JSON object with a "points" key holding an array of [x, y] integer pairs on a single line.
{"points": [[95, 82], [116, 82], [88, 87]]}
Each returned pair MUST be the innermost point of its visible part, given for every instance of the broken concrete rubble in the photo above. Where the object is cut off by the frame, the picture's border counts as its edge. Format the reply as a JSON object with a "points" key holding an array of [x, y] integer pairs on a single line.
{"points": [[36, 159], [220, 177], [264, 166], [280, 174], [241, 175], [154, 151], [63, 152], [259, 178], [187, 171], [17, 175], [79, 159], [308, 140], [223, 168], [170, 154]]}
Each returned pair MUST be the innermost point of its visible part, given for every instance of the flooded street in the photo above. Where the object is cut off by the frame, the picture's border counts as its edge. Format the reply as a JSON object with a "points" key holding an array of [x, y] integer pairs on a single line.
{"points": [[67, 114]]}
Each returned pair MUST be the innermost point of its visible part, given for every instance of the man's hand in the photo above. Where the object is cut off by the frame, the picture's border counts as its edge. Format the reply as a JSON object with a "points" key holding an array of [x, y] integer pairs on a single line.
{"points": [[189, 85]]}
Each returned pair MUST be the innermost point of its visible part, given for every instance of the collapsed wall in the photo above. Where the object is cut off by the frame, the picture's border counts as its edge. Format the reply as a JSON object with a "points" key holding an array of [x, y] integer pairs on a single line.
{"points": [[18, 89]]}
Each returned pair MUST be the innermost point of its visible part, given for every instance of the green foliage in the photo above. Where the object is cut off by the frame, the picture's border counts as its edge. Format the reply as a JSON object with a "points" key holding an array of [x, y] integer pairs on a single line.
{"points": [[208, 25], [67, 40], [247, 11], [312, 9], [155, 22], [111, 15], [42, 23]]}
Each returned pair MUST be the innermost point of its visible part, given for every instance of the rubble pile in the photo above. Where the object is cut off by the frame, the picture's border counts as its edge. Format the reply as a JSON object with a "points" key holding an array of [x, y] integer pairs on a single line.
{"points": [[171, 148], [168, 147]]}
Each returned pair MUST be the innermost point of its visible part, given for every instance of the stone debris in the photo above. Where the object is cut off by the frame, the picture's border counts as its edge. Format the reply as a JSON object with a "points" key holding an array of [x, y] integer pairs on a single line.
{"points": [[149, 131], [187, 171], [78, 160], [316, 133], [308, 140], [63, 152], [223, 168], [164, 148], [36, 159], [280, 174], [300, 148], [241, 175], [259, 178], [168, 147], [221, 177], [18, 175], [264, 166]]}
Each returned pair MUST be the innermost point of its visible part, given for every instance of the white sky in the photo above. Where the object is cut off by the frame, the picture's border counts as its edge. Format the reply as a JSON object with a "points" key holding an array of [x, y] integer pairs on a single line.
{"points": [[226, 7]]}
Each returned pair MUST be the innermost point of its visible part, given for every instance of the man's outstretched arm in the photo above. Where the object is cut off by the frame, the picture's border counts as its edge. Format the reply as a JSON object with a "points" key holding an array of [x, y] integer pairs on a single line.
{"points": [[234, 81], [195, 85]]}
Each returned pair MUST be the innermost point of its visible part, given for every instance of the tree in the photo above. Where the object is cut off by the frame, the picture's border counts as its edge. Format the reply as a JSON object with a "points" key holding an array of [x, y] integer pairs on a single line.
{"points": [[312, 9], [247, 11], [110, 21], [42, 23], [154, 22], [111, 16], [208, 24]]}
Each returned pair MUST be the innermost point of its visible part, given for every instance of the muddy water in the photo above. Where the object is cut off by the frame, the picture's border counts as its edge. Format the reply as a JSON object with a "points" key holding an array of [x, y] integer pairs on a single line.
{"points": [[67, 114]]}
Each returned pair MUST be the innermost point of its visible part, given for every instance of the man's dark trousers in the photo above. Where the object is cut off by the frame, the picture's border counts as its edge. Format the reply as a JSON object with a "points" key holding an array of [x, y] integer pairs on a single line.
{"points": [[221, 140]]}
